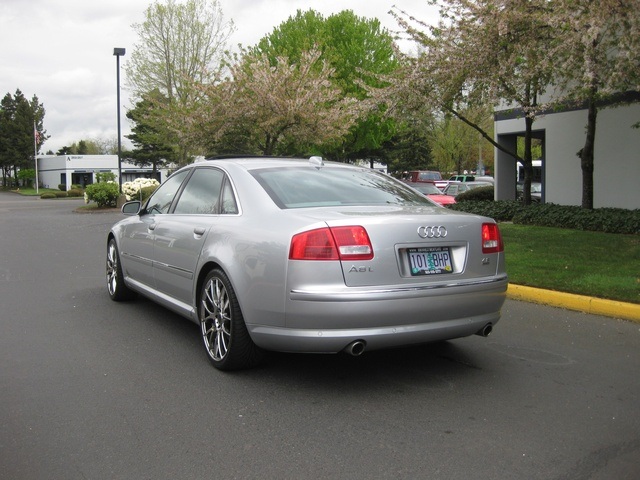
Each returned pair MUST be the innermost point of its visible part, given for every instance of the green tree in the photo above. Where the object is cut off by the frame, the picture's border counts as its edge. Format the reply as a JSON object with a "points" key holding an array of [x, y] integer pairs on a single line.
{"points": [[7, 148], [456, 147], [27, 175], [148, 134], [21, 132], [85, 147], [181, 45], [358, 50]]}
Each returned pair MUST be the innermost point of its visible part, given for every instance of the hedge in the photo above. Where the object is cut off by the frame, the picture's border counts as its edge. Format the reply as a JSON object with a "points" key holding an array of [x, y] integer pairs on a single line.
{"points": [[609, 220]]}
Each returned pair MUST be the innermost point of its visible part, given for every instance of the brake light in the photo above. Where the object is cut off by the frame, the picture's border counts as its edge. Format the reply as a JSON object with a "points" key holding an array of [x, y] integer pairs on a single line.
{"points": [[337, 243], [491, 238]]}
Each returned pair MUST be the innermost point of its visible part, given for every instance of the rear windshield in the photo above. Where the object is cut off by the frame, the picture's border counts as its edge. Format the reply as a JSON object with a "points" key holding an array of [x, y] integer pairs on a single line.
{"points": [[429, 176], [310, 187]]}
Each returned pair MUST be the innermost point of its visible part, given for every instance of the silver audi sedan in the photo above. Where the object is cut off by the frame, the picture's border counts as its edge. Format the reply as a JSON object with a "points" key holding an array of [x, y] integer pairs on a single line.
{"points": [[306, 256]]}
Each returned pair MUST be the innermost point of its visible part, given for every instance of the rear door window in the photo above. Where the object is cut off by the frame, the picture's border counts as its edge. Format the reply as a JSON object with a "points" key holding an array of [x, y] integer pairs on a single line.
{"points": [[201, 194]]}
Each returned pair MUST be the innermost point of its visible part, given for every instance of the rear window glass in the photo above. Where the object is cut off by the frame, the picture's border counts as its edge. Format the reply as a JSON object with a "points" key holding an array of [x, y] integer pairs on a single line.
{"points": [[429, 176], [311, 187]]}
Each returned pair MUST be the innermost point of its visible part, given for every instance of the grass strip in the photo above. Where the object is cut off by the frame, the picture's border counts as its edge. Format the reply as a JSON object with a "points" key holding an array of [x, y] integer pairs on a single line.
{"points": [[601, 265]]}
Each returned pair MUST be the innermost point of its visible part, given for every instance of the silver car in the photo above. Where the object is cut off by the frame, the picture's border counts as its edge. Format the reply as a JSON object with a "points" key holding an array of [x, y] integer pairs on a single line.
{"points": [[306, 256]]}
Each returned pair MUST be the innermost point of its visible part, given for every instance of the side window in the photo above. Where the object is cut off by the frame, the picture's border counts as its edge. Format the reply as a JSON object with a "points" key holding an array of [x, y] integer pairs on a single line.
{"points": [[201, 195], [160, 201], [229, 205]]}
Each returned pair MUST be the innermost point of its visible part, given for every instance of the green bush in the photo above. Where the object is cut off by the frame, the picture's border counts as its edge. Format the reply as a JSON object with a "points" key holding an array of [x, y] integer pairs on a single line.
{"points": [[477, 194], [61, 194], [75, 192], [62, 187], [146, 192], [76, 186], [105, 177], [609, 220], [104, 194], [48, 195], [501, 211]]}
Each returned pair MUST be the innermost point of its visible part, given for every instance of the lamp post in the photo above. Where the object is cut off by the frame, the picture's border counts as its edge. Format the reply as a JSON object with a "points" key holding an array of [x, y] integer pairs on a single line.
{"points": [[119, 52]]}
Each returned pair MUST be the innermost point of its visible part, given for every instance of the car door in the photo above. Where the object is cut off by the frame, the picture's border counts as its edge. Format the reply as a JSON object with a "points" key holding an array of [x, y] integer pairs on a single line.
{"points": [[138, 238], [180, 235]]}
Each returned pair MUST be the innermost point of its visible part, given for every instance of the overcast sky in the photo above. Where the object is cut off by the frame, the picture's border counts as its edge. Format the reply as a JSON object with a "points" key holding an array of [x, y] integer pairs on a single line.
{"points": [[62, 51]]}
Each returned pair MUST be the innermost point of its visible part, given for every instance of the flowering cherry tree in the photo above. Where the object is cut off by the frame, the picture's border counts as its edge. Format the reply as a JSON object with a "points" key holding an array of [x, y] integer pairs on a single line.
{"points": [[597, 63], [277, 106], [512, 52]]}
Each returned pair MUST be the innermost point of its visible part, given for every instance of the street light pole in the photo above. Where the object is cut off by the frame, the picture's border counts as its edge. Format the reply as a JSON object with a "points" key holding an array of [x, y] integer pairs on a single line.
{"points": [[119, 52]]}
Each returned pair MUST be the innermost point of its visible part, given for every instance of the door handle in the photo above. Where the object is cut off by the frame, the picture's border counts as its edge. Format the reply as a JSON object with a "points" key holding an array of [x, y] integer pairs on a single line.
{"points": [[152, 226], [199, 231]]}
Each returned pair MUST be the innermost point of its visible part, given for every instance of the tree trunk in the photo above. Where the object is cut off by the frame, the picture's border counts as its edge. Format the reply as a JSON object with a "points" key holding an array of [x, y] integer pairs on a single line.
{"points": [[586, 155], [527, 160]]}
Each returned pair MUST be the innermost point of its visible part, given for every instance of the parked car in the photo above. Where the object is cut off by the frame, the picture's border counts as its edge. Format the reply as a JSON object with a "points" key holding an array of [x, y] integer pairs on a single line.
{"points": [[306, 256], [456, 188], [430, 176], [434, 193], [485, 178], [536, 191], [462, 178]]}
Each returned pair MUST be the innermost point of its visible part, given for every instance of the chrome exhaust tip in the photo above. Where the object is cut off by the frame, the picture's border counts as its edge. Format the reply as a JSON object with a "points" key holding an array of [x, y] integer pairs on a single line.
{"points": [[355, 348], [485, 331]]}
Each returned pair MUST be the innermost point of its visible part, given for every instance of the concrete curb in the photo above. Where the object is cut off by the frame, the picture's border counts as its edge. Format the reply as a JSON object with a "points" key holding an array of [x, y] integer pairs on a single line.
{"points": [[581, 303]]}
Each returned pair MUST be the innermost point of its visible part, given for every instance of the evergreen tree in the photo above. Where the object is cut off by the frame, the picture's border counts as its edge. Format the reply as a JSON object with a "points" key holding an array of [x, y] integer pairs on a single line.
{"points": [[21, 133], [153, 145]]}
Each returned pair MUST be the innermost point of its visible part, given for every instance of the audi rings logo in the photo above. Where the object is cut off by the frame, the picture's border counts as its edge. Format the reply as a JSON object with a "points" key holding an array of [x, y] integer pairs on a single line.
{"points": [[432, 232]]}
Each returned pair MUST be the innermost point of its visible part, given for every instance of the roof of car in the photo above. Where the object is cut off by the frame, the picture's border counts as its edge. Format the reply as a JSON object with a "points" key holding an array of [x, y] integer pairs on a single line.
{"points": [[250, 162]]}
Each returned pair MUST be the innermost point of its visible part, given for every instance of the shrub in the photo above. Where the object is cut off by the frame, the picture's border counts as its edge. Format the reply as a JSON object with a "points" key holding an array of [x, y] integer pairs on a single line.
{"points": [[104, 194], [75, 192], [477, 194], [501, 211], [62, 187], [48, 195], [61, 194], [609, 220], [132, 189], [145, 192], [105, 177], [77, 186]]}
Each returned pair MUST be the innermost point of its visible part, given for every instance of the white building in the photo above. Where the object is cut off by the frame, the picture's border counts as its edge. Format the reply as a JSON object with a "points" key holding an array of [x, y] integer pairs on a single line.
{"points": [[82, 169], [616, 157]]}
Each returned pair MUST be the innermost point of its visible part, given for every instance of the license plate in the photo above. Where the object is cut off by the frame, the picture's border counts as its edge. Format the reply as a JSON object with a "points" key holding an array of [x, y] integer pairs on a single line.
{"points": [[430, 260]]}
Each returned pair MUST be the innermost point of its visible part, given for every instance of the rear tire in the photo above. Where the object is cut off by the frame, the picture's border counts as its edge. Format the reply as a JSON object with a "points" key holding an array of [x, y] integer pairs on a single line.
{"points": [[118, 291], [224, 333]]}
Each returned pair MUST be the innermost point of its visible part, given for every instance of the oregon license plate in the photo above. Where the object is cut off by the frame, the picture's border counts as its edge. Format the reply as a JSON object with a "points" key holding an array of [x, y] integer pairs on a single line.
{"points": [[430, 260]]}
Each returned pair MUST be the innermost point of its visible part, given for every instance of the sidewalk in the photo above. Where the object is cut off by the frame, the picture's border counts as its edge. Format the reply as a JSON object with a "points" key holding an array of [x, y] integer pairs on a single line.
{"points": [[581, 303]]}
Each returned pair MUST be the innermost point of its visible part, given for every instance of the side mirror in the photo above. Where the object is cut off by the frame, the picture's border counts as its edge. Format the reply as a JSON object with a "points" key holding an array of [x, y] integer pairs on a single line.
{"points": [[131, 208]]}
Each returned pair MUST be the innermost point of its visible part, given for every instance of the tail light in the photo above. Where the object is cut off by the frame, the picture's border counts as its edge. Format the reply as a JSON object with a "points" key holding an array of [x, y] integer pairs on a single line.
{"points": [[491, 238], [337, 243]]}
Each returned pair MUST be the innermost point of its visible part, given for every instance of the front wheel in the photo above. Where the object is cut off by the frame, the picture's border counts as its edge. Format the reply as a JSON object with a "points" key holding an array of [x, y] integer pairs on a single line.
{"points": [[118, 291], [225, 335]]}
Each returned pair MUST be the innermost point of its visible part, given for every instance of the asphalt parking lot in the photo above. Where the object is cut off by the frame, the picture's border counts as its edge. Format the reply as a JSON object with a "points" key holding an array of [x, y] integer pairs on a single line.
{"points": [[94, 389]]}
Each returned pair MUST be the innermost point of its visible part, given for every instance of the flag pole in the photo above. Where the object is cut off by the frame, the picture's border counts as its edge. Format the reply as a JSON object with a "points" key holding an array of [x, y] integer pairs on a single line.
{"points": [[35, 151]]}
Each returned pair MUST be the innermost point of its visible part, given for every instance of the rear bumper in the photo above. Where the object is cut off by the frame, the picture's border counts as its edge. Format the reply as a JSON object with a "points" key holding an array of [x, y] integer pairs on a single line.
{"points": [[328, 321]]}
